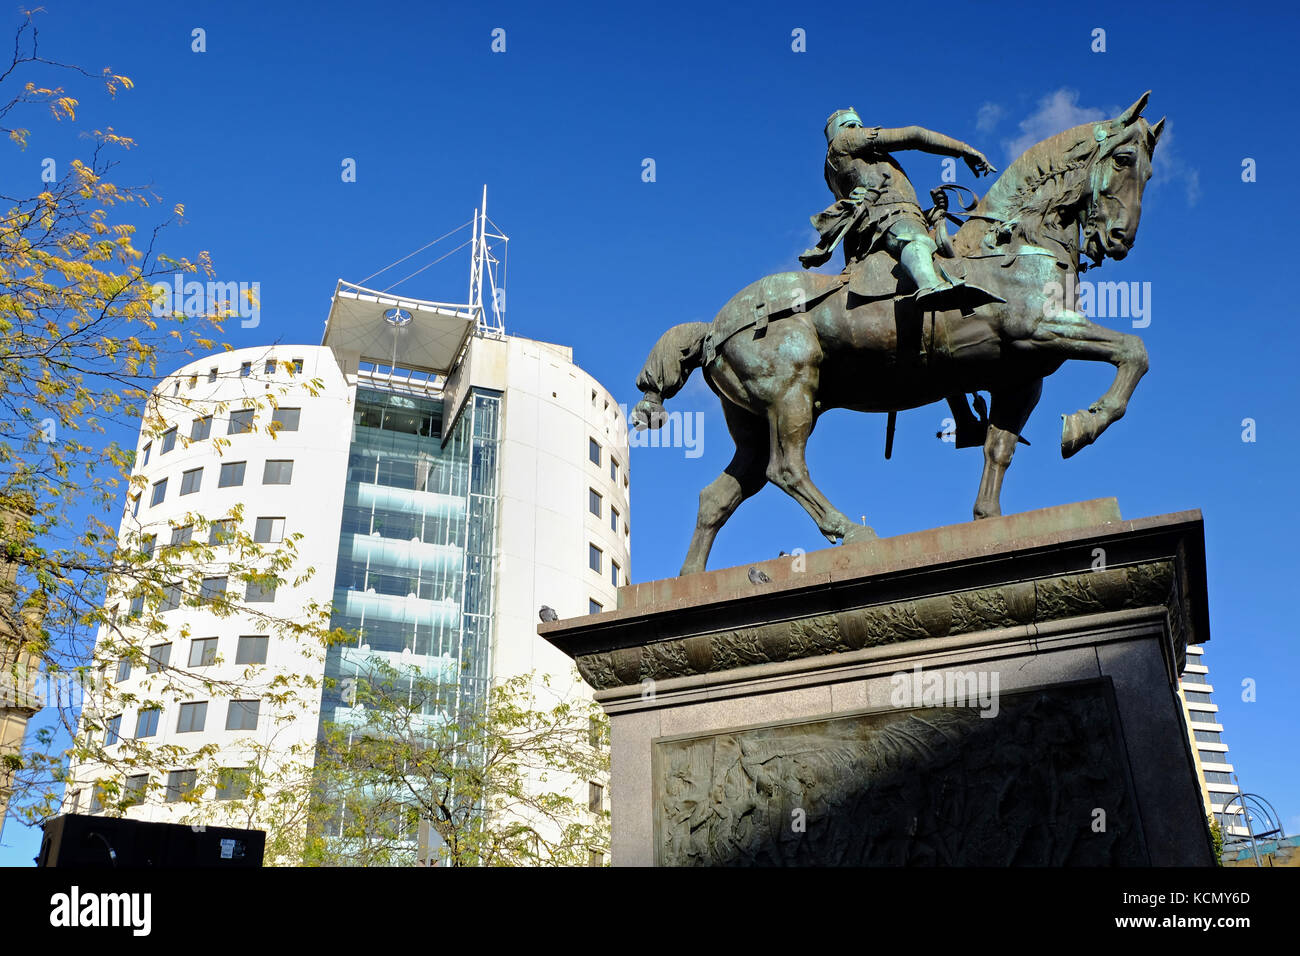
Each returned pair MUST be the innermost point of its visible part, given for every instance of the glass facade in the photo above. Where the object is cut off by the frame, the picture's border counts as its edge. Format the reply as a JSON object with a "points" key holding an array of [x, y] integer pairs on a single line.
{"points": [[416, 560], [415, 571]]}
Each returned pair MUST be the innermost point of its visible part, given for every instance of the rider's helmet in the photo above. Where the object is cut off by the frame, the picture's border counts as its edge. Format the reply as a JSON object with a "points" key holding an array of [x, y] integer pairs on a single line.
{"points": [[840, 119]]}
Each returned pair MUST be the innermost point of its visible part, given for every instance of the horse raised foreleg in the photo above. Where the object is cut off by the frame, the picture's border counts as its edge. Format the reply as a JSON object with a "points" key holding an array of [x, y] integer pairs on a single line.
{"points": [[790, 423], [741, 479], [1007, 417], [1072, 336]]}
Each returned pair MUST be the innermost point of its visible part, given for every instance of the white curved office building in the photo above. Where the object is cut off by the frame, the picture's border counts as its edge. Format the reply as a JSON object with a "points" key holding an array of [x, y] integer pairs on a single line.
{"points": [[446, 481]]}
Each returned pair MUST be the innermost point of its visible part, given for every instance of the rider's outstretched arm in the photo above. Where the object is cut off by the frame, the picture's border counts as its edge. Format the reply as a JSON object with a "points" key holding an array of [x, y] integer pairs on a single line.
{"points": [[927, 141]]}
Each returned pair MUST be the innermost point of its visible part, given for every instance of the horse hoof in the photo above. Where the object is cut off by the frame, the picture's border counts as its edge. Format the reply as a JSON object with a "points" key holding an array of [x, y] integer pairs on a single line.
{"points": [[1075, 434], [859, 532]]}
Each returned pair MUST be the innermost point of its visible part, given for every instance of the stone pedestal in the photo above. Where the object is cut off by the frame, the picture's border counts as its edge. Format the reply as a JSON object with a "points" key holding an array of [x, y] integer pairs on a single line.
{"points": [[995, 693]]}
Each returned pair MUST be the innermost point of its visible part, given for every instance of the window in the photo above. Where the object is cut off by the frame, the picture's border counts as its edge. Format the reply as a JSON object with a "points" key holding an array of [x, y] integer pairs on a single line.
{"points": [[593, 501], [614, 570], [201, 428], [1197, 697], [269, 530], [193, 380], [242, 715], [212, 589], [212, 375], [147, 544], [123, 669], [595, 797], [113, 730], [191, 480], [159, 493], [219, 532], [146, 722], [137, 784], [1208, 736], [613, 518], [135, 506], [286, 419], [182, 535], [277, 473], [595, 858], [160, 656], [593, 451], [203, 652], [192, 717], [270, 367], [232, 474], [144, 455], [176, 387], [251, 650], [245, 369], [297, 366], [1213, 756], [594, 555], [594, 606], [168, 441], [240, 422], [96, 798], [76, 801], [613, 470], [136, 608], [233, 783], [179, 783], [171, 598], [260, 593], [593, 732]]}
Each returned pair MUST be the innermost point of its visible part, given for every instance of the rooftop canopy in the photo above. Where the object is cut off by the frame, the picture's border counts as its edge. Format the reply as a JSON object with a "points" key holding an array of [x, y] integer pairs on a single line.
{"points": [[389, 328]]}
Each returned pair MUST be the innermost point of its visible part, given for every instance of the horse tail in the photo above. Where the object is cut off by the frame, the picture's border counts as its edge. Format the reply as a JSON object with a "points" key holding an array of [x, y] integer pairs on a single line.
{"points": [[678, 352]]}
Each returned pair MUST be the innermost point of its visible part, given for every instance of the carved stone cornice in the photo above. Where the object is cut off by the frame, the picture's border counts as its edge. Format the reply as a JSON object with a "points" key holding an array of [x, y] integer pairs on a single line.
{"points": [[1015, 572], [894, 622]]}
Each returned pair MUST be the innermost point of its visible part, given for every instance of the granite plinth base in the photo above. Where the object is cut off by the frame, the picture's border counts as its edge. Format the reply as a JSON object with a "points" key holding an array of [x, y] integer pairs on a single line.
{"points": [[998, 693]]}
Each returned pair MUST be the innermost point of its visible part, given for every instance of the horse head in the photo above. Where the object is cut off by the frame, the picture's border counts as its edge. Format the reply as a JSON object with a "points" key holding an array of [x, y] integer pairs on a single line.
{"points": [[1086, 179], [1118, 174]]}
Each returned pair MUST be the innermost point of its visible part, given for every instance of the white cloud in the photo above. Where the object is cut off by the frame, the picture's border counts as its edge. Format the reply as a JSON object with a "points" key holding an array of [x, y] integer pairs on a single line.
{"points": [[988, 117], [1060, 110], [1168, 167], [1056, 113]]}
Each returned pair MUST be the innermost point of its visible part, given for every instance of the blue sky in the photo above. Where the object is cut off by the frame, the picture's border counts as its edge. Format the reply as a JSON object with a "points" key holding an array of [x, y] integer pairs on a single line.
{"points": [[251, 134]]}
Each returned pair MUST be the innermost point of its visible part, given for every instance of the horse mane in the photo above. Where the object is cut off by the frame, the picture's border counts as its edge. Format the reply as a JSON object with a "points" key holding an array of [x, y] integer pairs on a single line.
{"points": [[1040, 185]]}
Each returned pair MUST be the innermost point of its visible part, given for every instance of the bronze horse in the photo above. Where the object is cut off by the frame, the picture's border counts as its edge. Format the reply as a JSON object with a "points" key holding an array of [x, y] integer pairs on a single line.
{"points": [[790, 346]]}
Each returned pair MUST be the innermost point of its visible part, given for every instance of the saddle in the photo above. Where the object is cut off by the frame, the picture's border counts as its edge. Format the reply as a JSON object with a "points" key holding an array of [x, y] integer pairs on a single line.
{"points": [[878, 275]]}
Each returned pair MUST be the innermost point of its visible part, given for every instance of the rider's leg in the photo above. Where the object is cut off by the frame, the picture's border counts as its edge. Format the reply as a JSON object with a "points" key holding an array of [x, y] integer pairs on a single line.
{"points": [[908, 242]]}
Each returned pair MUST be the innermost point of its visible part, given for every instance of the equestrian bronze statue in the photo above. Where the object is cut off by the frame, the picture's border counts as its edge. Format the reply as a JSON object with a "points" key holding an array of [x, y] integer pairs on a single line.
{"points": [[987, 314]]}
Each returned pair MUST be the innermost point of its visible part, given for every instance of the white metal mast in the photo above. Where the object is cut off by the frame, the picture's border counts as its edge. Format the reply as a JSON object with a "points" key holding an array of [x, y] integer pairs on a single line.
{"points": [[491, 320]]}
